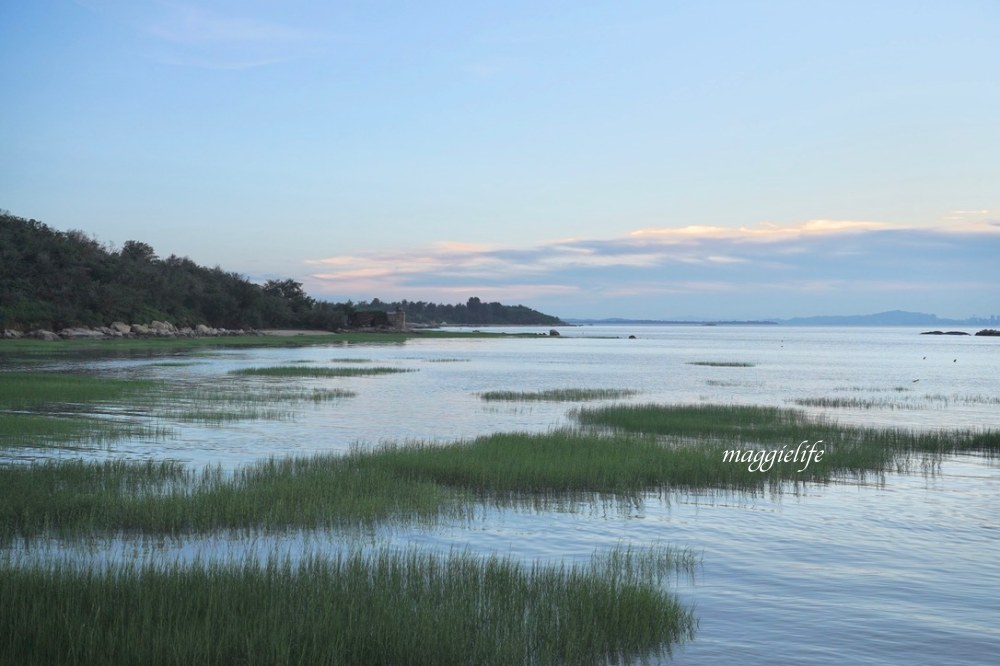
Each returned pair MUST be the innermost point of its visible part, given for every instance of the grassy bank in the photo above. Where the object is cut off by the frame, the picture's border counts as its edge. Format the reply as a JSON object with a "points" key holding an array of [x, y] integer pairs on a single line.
{"points": [[384, 608], [24, 349]]}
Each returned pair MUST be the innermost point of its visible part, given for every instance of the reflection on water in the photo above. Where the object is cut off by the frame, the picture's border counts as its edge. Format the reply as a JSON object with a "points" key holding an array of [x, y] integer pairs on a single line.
{"points": [[900, 571]]}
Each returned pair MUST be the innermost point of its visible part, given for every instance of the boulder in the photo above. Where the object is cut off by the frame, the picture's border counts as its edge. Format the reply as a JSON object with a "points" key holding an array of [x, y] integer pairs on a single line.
{"points": [[553, 332], [11, 335], [202, 330], [80, 333], [42, 334], [162, 328], [140, 329], [121, 327]]}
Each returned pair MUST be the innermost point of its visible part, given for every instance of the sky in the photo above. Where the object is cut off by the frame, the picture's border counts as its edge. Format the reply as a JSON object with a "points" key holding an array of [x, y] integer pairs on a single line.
{"points": [[710, 159]]}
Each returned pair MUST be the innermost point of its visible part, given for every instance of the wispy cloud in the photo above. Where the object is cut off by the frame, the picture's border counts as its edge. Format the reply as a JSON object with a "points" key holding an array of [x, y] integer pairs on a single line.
{"points": [[193, 35], [815, 259]]}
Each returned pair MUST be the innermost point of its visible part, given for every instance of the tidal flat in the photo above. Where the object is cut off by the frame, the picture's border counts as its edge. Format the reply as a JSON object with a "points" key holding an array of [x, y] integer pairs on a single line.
{"points": [[591, 470]]}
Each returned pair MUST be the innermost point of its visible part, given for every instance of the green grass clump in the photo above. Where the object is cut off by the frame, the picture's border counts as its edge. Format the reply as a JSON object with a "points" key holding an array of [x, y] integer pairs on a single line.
{"points": [[381, 608], [557, 395], [40, 430], [702, 421], [857, 450], [903, 402], [77, 498], [23, 390], [296, 371], [42, 409], [668, 447], [723, 364]]}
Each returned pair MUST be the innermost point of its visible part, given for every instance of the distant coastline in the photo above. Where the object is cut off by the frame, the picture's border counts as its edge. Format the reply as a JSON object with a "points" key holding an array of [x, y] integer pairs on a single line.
{"points": [[889, 318]]}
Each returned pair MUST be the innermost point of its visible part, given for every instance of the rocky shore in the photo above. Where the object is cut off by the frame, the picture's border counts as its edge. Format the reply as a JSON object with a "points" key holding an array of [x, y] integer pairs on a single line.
{"points": [[154, 329]]}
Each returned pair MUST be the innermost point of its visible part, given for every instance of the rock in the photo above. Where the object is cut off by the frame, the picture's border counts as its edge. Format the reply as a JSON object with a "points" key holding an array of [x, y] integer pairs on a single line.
{"points": [[121, 327], [553, 332], [988, 331], [80, 334], [202, 330], [162, 329], [42, 334], [11, 335]]}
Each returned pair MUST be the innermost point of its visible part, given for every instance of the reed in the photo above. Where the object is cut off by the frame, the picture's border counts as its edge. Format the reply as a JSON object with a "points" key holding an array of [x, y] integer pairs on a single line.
{"points": [[635, 449], [723, 364], [44, 409], [865, 448], [556, 395], [901, 402], [378, 608], [297, 371], [24, 390], [77, 498], [41, 430]]}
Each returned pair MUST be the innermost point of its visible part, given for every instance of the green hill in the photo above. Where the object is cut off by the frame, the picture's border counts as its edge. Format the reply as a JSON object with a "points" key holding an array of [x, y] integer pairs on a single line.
{"points": [[53, 280]]}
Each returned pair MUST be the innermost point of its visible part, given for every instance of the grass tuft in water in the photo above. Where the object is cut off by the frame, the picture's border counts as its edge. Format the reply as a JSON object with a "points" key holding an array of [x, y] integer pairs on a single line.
{"points": [[556, 395], [379, 608], [24, 390], [626, 450], [43, 409], [723, 364], [295, 371]]}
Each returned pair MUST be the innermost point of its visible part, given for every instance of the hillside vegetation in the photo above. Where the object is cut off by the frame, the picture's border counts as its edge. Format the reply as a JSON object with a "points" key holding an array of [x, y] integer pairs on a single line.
{"points": [[53, 280]]}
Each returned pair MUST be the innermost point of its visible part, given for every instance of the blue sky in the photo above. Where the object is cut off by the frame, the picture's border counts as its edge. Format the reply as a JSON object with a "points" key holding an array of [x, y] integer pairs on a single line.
{"points": [[711, 159]]}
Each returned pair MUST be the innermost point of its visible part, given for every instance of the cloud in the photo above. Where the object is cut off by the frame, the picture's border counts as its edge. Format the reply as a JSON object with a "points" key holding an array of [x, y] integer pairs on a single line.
{"points": [[193, 35], [815, 259]]}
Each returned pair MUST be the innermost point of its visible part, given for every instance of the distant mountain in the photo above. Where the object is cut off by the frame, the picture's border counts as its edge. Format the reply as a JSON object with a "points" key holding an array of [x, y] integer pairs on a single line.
{"points": [[665, 322], [890, 318]]}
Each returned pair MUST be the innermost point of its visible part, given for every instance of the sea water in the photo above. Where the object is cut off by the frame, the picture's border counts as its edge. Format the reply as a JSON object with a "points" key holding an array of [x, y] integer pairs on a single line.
{"points": [[902, 568]]}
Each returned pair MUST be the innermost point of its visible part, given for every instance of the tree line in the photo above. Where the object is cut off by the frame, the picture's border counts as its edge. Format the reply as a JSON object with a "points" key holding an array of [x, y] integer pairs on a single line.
{"points": [[53, 279]]}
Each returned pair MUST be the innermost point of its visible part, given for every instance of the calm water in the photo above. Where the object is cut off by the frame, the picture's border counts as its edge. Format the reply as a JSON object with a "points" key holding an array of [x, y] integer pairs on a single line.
{"points": [[902, 569]]}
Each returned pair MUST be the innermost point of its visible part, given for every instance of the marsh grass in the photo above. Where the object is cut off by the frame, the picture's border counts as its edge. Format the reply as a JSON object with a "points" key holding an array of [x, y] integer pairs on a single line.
{"points": [[28, 430], [723, 364], [350, 360], [849, 449], [43, 409], [378, 608], [240, 401], [78, 498], [901, 402], [24, 390], [295, 371], [556, 395], [625, 451]]}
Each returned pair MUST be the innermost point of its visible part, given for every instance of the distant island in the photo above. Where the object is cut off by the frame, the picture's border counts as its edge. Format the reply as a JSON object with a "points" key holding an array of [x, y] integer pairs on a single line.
{"points": [[53, 281], [889, 318], [664, 322]]}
